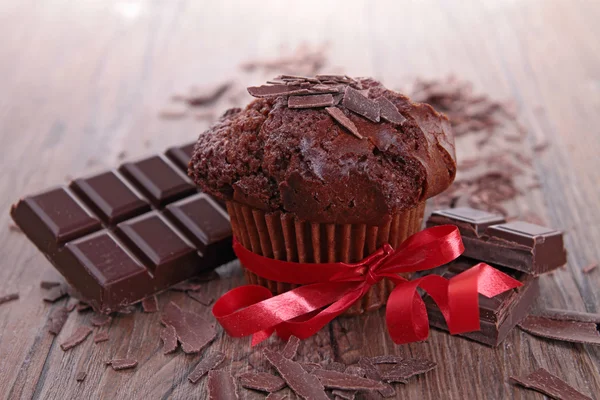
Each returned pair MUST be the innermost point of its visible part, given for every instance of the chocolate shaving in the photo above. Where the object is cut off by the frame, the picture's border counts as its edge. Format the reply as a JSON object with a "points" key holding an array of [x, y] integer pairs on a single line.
{"points": [[55, 294], [373, 373], [355, 101], [312, 101], [81, 375], [76, 338], [150, 304], [120, 364], [341, 118], [387, 359], [49, 284], [291, 347], [221, 385], [208, 363], [568, 315], [343, 381], [544, 382], [589, 268], [276, 90], [193, 332], [567, 331], [335, 366], [168, 336], [101, 320], [9, 297], [351, 395], [408, 368], [261, 381], [101, 337], [208, 95], [389, 111], [309, 366], [305, 385], [203, 297], [277, 396], [57, 320]]}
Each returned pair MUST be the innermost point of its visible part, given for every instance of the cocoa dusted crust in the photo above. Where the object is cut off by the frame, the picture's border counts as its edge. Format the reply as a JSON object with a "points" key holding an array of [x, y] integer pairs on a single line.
{"points": [[300, 161]]}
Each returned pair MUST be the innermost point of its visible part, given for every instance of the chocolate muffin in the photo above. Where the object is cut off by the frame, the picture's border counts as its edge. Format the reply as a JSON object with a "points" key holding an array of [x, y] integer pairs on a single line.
{"points": [[325, 169]]}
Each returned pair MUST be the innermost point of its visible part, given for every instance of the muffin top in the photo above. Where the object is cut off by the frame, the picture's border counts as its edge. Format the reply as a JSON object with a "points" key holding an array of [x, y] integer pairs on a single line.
{"points": [[329, 149]]}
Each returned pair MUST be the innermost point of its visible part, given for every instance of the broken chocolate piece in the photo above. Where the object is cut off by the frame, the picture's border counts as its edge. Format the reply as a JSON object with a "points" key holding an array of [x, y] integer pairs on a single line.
{"points": [[550, 385], [57, 320], [340, 380], [305, 385], [309, 366], [169, 339], [311, 101], [261, 381], [55, 294], [201, 297], [81, 375], [221, 385], [101, 337], [373, 373], [291, 347], [76, 338], [208, 363], [567, 331], [389, 111], [9, 297], [120, 364], [407, 368], [351, 394], [150, 304], [341, 118], [355, 101], [275, 90], [470, 222], [193, 332], [101, 320]]}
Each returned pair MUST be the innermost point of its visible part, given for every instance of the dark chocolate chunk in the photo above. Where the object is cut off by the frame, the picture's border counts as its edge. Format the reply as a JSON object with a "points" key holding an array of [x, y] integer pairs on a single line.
{"points": [[291, 347], [76, 338], [57, 320], [203, 298], [119, 364], [101, 337], [181, 156], [341, 380], [81, 375], [101, 320], [158, 180], [564, 330], [498, 315], [312, 101], [9, 297], [55, 294], [305, 385], [261, 381], [193, 332], [470, 222], [407, 368], [150, 304], [168, 336], [208, 363], [389, 111], [221, 385], [276, 90], [49, 284], [550, 385], [341, 118], [355, 101], [110, 197]]}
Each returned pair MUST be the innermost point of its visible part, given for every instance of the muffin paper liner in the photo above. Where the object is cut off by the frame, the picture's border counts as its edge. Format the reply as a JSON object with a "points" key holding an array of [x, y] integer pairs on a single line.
{"points": [[281, 236]]}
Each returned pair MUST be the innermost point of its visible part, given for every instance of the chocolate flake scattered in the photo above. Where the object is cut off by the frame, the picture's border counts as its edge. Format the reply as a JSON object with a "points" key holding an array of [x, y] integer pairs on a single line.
{"points": [[335, 366], [355, 101], [309, 366], [193, 332], [343, 381], [76, 338], [567, 331], [261, 381], [221, 385], [276, 90], [305, 385], [169, 339], [568, 315], [277, 396], [49, 284], [9, 297], [101, 319], [389, 111], [351, 394], [57, 320], [544, 382], [120, 364], [589, 268], [208, 363], [55, 294], [291, 347], [201, 297], [101, 337], [81, 375], [387, 359], [408, 368], [312, 101], [373, 373], [150, 304], [207, 95], [341, 118]]}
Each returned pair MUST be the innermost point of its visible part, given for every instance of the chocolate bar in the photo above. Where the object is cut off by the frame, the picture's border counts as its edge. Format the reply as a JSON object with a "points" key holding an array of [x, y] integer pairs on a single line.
{"points": [[518, 245], [498, 315], [123, 235]]}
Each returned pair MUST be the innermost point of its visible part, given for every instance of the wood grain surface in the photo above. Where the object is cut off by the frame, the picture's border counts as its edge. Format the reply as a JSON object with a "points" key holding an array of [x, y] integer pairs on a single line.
{"points": [[82, 84]]}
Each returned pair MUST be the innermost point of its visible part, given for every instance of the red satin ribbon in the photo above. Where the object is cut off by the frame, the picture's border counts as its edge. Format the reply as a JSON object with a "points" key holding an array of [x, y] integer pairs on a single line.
{"points": [[329, 289]]}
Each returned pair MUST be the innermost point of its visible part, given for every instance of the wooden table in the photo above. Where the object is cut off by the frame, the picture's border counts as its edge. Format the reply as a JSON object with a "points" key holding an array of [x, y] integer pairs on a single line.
{"points": [[83, 81]]}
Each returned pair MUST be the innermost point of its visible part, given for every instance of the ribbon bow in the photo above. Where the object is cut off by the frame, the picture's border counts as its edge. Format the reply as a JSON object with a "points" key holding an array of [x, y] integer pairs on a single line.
{"points": [[329, 289]]}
